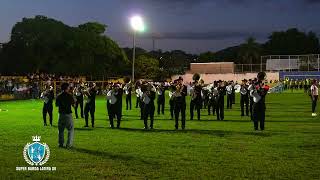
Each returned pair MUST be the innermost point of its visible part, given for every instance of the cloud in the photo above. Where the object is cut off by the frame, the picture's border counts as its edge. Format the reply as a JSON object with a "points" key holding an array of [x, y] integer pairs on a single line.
{"points": [[213, 35], [312, 1]]}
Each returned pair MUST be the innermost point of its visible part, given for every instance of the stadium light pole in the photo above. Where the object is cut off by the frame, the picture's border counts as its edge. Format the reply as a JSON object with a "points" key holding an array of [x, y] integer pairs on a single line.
{"points": [[138, 26]]}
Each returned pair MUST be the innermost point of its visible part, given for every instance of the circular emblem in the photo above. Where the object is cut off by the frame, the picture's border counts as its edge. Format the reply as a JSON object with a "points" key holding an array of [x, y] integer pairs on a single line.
{"points": [[36, 153]]}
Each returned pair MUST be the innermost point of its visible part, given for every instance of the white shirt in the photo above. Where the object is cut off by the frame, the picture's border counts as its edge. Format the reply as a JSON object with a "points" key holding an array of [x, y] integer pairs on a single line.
{"points": [[251, 87], [314, 90], [229, 89], [159, 92], [111, 97], [243, 91], [171, 94], [138, 92], [255, 95], [145, 99]]}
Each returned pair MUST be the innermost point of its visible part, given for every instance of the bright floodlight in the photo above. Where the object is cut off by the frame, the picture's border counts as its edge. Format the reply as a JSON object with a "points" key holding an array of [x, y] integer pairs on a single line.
{"points": [[137, 23]]}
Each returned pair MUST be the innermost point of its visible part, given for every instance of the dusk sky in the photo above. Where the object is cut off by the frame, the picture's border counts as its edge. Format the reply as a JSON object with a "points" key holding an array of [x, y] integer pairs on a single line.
{"points": [[190, 25]]}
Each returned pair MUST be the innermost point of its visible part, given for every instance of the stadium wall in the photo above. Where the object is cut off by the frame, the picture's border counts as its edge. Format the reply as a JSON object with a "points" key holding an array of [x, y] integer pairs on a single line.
{"points": [[208, 78], [212, 68]]}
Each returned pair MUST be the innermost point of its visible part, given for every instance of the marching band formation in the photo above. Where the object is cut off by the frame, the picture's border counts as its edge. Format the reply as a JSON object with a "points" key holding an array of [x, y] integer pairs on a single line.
{"points": [[210, 97]]}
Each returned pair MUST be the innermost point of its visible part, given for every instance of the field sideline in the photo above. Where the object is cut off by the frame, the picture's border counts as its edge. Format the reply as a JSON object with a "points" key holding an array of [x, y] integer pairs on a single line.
{"points": [[289, 148]]}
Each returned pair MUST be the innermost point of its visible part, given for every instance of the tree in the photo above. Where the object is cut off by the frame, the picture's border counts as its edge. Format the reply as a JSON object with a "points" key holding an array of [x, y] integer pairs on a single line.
{"points": [[146, 67], [93, 27], [292, 41], [48, 45], [206, 57], [249, 52]]}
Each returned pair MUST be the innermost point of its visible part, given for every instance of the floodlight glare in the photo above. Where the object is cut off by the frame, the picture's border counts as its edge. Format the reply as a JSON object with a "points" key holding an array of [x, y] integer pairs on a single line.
{"points": [[137, 23]]}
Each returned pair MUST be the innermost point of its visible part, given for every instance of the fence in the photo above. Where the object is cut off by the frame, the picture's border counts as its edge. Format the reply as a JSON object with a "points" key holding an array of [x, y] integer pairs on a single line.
{"points": [[308, 62], [249, 68]]}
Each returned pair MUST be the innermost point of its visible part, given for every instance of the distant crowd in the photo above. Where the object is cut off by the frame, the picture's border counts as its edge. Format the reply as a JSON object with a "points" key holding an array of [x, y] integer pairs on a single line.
{"points": [[29, 85]]}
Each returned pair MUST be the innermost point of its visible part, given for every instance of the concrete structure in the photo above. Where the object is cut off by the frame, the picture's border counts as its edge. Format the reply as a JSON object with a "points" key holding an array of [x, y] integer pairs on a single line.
{"points": [[211, 68]]}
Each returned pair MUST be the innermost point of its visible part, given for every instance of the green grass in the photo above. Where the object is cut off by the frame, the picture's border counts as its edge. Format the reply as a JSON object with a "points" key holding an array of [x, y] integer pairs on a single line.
{"points": [[289, 148]]}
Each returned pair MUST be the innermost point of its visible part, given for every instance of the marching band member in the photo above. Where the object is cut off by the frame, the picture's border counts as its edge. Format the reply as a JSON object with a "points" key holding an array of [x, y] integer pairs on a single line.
{"points": [[128, 90], [148, 96], [229, 89], [113, 104], [259, 107], [171, 101], [250, 88], [213, 98], [180, 103], [314, 92], [220, 100], [90, 104], [161, 98], [139, 100], [196, 99], [138, 92], [244, 97], [47, 96], [78, 93]]}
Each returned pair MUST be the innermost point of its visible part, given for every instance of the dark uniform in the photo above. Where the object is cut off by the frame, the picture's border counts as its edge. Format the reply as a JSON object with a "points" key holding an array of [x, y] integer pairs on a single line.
{"points": [[161, 99], [138, 95], [196, 101], [128, 91], [148, 98], [213, 101], [205, 98], [259, 106], [140, 102], [220, 103], [114, 102], [180, 105], [171, 102], [233, 93], [48, 97], [64, 102], [90, 106], [244, 99], [250, 88], [79, 101], [229, 90]]}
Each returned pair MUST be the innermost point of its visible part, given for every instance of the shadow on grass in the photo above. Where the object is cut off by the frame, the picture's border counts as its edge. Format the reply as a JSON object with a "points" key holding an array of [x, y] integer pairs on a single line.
{"points": [[112, 156], [218, 133]]}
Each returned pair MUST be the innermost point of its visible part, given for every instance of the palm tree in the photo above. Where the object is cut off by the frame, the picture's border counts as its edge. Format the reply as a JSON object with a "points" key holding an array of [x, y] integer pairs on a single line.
{"points": [[250, 52]]}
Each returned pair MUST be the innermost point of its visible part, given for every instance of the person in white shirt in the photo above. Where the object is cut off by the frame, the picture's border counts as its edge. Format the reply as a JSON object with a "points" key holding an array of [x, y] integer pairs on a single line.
{"points": [[148, 96], [171, 101], [161, 98], [244, 97], [114, 104], [138, 92], [259, 93], [128, 89], [250, 88], [229, 89], [314, 96]]}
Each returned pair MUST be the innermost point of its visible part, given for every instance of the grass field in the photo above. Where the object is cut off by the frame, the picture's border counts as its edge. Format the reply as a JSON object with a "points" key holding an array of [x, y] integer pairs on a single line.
{"points": [[289, 148]]}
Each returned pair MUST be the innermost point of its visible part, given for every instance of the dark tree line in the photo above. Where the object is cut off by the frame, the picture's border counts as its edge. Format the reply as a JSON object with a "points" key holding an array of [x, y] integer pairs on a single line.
{"points": [[289, 42], [42, 44]]}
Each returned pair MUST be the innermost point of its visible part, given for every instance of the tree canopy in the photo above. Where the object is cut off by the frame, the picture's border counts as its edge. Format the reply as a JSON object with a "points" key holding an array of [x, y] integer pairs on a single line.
{"points": [[48, 45]]}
